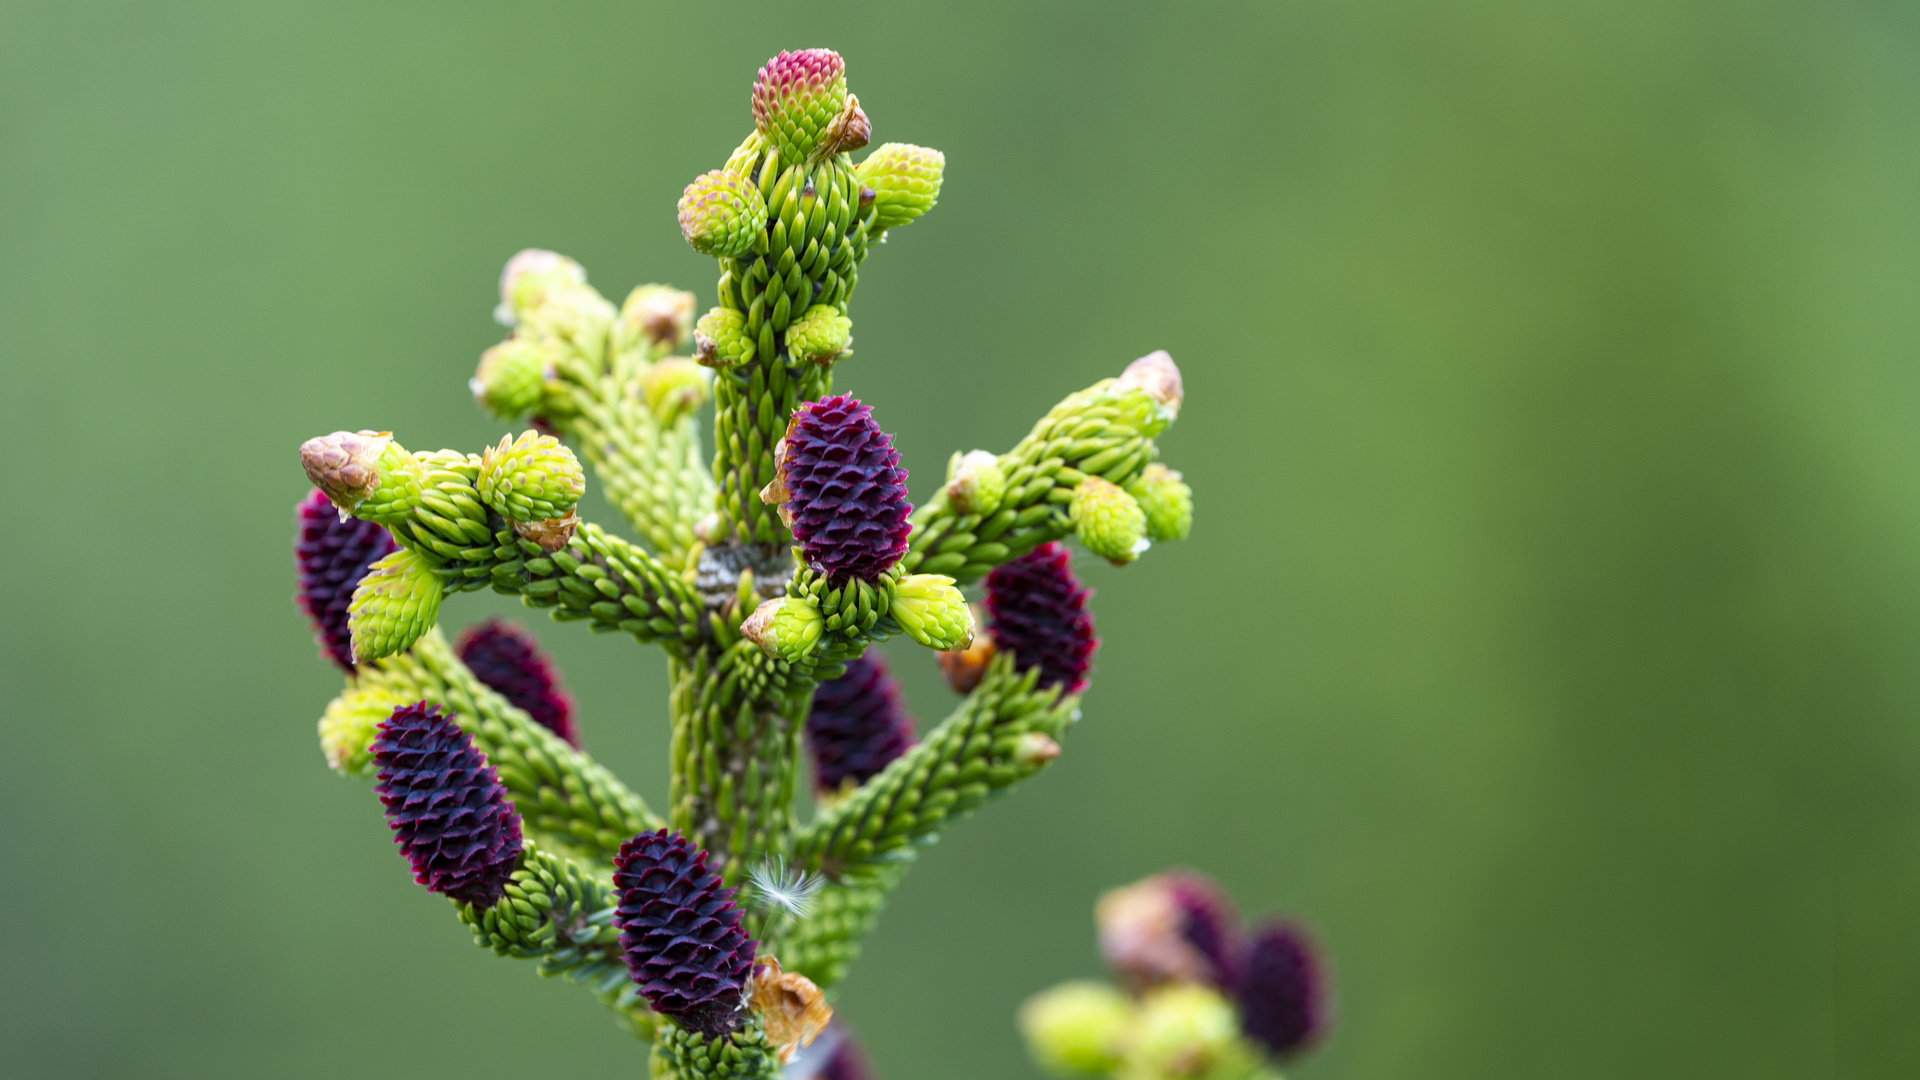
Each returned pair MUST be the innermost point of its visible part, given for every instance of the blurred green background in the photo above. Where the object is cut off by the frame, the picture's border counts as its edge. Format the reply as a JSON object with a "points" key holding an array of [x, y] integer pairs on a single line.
{"points": [[1546, 637]]}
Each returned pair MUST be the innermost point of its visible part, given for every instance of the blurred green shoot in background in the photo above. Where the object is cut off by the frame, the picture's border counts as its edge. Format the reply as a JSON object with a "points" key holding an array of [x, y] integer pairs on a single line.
{"points": [[1545, 638]]}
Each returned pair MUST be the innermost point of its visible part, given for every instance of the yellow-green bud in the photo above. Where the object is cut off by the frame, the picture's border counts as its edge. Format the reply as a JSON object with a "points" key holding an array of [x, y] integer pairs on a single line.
{"points": [[975, 484], [1107, 521], [720, 340], [535, 262], [396, 602], [1185, 1031], [932, 612], [511, 379], [532, 478], [905, 180], [820, 335], [722, 215], [660, 315], [556, 304], [1158, 377], [364, 473], [1076, 1028], [674, 387], [787, 629], [347, 728], [1167, 502]]}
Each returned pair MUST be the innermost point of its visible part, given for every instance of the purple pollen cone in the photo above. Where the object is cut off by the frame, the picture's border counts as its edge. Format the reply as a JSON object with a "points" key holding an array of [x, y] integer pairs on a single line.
{"points": [[331, 557], [846, 494], [1282, 990], [858, 724], [507, 658], [1208, 922], [1037, 610], [445, 805], [681, 932]]}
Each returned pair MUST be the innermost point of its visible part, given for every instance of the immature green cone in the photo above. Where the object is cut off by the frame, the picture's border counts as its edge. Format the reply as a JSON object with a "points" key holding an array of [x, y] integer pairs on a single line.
{"points": [[511, 379], [1158, 377], [820, 335], [396, 602], [364, 473], [975, 483], [905, 180], [1185, 1031], [347, 728], [660, 315], [1167, 502], [1107, 521], [555, 303], [721, 341], [674, 387], [532, 478], [722, 215], [1077, 1028], [933, 612], [786, 628]]}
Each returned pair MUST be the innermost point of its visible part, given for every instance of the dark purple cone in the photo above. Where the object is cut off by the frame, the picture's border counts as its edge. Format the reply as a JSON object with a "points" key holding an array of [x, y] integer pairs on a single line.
{"points": [[449, 814], [847, 1063], [1282, 990], [1037, 610], [505, 657], [1207, 922], [857, 725], [331, 557], [681, 933], [846, 491]]}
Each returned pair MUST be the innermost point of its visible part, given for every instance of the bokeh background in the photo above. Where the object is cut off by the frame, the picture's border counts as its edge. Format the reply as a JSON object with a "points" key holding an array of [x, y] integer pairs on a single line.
{"points": [[1546, 638]]}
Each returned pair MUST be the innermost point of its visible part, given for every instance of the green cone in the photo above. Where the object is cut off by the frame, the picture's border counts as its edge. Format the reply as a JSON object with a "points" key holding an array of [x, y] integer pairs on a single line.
{"points": [[1167, 502], [933, 612], [796, 97], [347, 727], [532, 478], [820, 335], [1187, 1032], [661, 316], [905, 180], [786, 628], [1077, 1028], [396, 602], [1107, 521], [674, 387], [721, 341], [722, 215], [511, 379], [975, 483]]}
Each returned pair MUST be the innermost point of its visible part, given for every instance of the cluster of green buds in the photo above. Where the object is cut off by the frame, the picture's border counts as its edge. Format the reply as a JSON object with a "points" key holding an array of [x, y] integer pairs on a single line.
{"points": [[764, 564]]}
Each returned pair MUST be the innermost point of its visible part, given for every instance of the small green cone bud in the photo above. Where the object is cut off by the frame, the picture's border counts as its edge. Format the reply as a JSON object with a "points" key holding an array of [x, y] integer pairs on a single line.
{"points": [[1167, 502], [1158, 377], [551, 300], [511, 379], [396, 602], [531, 262], [364, 473], [1034, 749], [787, 629], [722, 215], [721, 341], [933, 613], [532, 478], [348, 726], [674, 387], [820, 335], [1186, 1031], [905, 180], [660, 315], [1077, 1028], [1107, 521], [975, 484]]}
